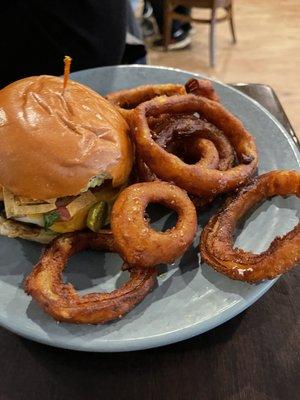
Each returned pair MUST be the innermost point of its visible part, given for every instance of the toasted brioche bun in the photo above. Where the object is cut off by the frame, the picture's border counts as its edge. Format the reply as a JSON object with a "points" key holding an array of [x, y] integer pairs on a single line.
{"points": [[52, 144]]}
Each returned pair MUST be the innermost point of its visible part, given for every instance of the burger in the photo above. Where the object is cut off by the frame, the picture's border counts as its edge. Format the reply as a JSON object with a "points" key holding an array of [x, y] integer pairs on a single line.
{"points": [[64, 157]]}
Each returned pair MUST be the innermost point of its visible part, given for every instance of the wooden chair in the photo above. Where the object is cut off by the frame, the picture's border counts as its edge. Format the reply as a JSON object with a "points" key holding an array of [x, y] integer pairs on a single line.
{"points": [[170, 14]]}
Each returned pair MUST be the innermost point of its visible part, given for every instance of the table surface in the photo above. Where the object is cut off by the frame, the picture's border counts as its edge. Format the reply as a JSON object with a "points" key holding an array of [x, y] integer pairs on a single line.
{"points": [[256, 355]]}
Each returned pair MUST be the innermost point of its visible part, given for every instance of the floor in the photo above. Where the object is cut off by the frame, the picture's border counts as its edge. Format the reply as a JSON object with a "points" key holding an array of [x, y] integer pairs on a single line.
{"points": [[268, 50]]}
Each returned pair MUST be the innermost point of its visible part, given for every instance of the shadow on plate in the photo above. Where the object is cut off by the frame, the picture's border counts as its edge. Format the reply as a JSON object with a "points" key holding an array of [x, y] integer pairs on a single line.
{"points": [[167, 287], [255, 232], [17, 259]]}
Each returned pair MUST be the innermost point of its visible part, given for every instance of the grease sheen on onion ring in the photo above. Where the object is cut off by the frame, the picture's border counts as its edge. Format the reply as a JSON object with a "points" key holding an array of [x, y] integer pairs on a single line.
{"points": [[127, 99], [130, 98], [195, 147], [198, 181], [201, 87], [216, 243], [61, 300], [139, 244]]}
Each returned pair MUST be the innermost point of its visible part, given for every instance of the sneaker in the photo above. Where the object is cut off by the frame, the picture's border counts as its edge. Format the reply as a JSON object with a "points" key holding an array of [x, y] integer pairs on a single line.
{"points": [[148, 10], [180, 40]]}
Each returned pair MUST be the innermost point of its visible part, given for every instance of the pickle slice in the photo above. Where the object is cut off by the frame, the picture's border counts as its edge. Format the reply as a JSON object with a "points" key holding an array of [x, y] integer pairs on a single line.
{"points": [[97, 216]]}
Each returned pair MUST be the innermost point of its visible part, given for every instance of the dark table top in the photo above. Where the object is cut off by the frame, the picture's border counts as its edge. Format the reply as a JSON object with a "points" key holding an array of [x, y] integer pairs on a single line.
{"points": [[256, 355]]}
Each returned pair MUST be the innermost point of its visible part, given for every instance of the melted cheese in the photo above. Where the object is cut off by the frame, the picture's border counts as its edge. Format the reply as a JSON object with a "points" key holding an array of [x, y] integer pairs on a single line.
{"points": [[86, 199]]}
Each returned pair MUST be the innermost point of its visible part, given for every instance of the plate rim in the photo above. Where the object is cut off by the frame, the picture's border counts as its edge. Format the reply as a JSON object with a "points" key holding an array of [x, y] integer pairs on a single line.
{"points": [[179, 335], [125, 345]]}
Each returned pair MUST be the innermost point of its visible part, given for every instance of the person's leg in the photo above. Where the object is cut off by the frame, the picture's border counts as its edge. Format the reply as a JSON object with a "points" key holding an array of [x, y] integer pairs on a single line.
{"points": [[135, 50], [180, 31], [158, 13], [186, 26]]}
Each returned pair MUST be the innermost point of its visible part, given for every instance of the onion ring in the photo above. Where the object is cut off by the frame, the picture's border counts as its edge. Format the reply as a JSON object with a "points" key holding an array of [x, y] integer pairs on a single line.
{"points": [[140, 245], [61, 301], [173, 127], [196, 148], [142, 173], [201, 87], [198, 181], [169, 128], [216, 243], [127, 99], [130, 98]]}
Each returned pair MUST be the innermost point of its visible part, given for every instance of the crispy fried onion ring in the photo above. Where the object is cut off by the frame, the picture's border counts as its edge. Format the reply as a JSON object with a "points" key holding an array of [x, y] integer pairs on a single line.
{"points": [[140, 245], [130, 98], [201, 87], [168, 129], [61, 301], [190, 138], [216, 244], [142, 173], [196, 148], [194, 178], [179, 134]]}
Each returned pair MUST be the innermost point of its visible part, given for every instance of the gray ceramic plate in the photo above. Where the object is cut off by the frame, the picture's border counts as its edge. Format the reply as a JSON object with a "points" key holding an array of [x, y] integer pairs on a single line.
{"points": [[190, 299]]}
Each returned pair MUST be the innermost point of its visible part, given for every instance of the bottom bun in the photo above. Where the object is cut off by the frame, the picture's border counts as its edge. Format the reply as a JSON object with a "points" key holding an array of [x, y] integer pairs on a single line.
{"points": [[15, 229]]}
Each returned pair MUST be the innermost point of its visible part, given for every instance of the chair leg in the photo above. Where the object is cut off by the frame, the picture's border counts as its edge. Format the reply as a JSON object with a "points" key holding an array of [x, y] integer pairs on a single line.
{"points": [[231, 22], [167, 24], [212, 38]]}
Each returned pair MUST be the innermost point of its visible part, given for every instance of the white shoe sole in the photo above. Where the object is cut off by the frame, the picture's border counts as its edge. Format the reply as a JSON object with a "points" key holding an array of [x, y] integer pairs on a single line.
{"points": [[176, 46]]}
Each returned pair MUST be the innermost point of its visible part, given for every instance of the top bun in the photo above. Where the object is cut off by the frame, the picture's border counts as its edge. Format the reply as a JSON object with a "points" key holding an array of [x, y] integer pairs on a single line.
{"points": [[52, 144]]}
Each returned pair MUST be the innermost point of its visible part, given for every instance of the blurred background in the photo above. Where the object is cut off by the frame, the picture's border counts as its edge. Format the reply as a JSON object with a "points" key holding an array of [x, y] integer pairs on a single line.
{"points": [[251, 41], [267, 48]]}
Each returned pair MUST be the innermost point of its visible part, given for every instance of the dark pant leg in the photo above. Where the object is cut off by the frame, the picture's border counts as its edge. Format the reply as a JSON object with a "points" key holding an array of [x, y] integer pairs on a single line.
{"points": [[158, 12]]}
